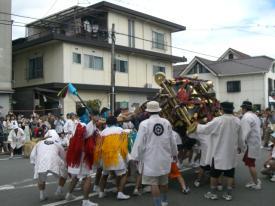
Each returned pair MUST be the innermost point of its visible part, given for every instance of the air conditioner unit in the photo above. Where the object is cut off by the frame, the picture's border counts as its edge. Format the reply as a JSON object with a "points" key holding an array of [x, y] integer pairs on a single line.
{"points": [[148, 85]]}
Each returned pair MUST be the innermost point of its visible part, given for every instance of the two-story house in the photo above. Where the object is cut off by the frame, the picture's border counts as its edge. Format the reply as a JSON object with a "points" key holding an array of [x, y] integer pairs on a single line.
{"points": [[236, 77], [74, 46], [5, 57]]}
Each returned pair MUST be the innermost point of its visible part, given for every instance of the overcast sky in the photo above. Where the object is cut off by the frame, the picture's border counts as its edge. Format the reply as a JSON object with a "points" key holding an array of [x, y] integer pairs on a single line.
{"points": [[212, 26]]}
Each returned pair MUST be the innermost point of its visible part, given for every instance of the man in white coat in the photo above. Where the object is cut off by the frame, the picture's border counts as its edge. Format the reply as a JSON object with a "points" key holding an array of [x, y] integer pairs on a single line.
{"points": [[48, 156], [70, 126], [113, 159], [16, 138], [224, 141], [80, 158], [250, 132], [155, 148]]}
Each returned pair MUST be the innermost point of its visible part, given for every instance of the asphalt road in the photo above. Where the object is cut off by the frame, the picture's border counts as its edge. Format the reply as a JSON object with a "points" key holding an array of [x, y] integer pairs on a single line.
{"points": [[17, 188]]}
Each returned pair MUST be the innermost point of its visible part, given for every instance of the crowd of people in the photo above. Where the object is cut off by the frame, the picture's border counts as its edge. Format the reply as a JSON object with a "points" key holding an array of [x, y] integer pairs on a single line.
{"points": [[145, 146]]}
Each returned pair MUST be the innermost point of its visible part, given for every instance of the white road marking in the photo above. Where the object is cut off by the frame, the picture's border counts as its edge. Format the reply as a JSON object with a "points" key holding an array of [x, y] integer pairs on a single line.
{"points": [[22, 181], [6, 187], [13, 187], [5, 159], [81, 197], [95, 193]]}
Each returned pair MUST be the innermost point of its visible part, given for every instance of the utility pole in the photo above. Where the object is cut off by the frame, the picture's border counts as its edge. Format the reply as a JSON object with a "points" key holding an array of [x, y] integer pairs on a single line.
{"points": [[113, 74]]}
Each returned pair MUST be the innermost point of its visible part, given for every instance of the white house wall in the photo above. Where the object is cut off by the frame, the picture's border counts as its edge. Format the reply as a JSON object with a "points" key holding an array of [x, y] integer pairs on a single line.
{"points": [[140, 70], [5, 47], [269, 75], [143, 30], [209, 77], [69, 101], [52, 65], [252, 89]]}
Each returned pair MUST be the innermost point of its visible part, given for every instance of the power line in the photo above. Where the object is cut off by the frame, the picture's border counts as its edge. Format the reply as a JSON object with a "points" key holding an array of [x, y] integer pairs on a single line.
{"points": [[163, 44], [166, 45], [55, 1]]}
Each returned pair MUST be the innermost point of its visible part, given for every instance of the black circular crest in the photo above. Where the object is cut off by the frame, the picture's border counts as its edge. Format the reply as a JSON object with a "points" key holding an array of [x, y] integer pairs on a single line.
{"points": [[158, 129]]}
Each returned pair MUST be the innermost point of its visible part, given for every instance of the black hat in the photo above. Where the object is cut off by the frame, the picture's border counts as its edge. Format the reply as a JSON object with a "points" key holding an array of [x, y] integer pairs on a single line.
{"points": [[247, 105], [227, 106], [112, 120], [81, 111]]}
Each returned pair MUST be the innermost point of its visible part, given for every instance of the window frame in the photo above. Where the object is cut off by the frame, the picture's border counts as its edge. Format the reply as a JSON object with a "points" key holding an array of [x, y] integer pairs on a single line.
{"points": [[121, 104], [231, 89], [118, 66], [91, 62], [155, 43], [73, 58], [131, 33], [36, 73], [158, 67], [273, 68]]}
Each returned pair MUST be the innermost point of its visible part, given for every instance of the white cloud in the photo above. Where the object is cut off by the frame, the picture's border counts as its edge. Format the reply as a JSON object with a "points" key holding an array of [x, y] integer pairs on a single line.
{"points": [[202, 19]]}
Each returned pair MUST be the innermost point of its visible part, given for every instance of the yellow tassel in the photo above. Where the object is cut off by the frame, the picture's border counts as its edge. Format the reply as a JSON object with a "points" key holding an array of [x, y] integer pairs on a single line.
{"points": [[112, 146], [97, 151]]}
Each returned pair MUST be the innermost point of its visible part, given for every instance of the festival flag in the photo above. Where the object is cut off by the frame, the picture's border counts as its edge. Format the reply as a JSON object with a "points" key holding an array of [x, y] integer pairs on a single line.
{"points": [[72, 89], [69, 87]]}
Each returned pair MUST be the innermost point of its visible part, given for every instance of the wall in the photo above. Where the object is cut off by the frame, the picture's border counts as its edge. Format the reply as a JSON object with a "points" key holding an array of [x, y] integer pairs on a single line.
{"points": [[140, 69], [143, 30], [210, 77], [52, 64], [70, 101], [252, 89], [5, 47], [4, 104], [269, 75]]}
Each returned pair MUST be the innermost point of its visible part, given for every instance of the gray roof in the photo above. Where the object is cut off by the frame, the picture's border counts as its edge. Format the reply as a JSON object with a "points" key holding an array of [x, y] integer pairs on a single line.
{"points": [[258, 64], [177, 69], [103, 6], [240, 55]]}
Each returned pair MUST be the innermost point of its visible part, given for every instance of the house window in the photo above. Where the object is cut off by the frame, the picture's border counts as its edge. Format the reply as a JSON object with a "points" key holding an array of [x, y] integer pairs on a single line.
{"points": [[158, 40], [131, 32], [192, 71], [121, 66], [76, 58], [198, 68], [269, 86], [202, 69], [273, 68], [35, 68], [233, 86], [93, 62], [123, 104], [157, 69], [230, 56]]}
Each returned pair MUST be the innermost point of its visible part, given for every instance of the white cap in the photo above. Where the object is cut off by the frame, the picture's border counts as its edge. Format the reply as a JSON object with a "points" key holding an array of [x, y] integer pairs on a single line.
{"points": [[153, 107], [14, 125]]}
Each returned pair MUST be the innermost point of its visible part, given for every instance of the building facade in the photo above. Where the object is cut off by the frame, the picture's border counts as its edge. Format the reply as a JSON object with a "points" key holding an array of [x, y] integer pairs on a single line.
{"points": [[5, 57], [237, 77], [74, 46]]}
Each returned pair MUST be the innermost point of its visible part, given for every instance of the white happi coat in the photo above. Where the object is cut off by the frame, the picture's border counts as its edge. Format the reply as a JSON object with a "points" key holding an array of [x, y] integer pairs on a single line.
{"points": [[177, 138], [224, 141], [48, 156], [83, 170], [16, 140], [204, 141], [121, 162], [155, 146], [69, 128], [251, 135]]}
